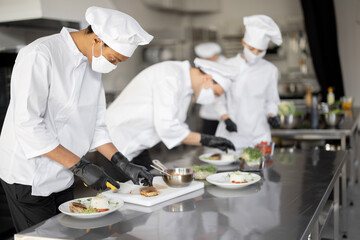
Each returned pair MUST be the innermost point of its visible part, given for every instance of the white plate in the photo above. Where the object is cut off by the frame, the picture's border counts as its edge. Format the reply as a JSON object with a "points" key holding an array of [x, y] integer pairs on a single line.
{"points": [[220, 162], [114, 205], [222, 180]]}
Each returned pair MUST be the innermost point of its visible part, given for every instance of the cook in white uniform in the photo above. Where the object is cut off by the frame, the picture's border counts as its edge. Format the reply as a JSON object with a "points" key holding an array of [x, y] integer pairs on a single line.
{"points": [[210, 117], [57, 114], [252, 101], [153, 107]]}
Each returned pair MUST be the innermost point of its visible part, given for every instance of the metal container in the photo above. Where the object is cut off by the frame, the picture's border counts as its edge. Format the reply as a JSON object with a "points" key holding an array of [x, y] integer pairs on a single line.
{"points": [[290, 121], [176, 177], [333, 119]]}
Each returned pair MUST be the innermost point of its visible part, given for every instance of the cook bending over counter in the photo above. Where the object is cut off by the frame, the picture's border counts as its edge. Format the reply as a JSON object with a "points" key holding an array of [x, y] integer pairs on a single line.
{"points": [[154, 105]]}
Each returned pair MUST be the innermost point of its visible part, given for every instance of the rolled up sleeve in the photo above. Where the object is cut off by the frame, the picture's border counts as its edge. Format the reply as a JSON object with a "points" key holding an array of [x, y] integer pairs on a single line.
{"points": [[166, 106], [101, 134], [30, 89]]}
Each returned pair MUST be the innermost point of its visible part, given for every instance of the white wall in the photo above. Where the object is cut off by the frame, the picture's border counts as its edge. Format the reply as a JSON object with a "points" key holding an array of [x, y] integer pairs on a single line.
{"points": [[348, 30]]}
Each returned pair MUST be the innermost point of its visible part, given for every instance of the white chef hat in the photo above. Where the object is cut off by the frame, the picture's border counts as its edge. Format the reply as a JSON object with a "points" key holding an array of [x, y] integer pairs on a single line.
{"points": [[118, 30], [207, 49], [259, 30], [221, 73]]}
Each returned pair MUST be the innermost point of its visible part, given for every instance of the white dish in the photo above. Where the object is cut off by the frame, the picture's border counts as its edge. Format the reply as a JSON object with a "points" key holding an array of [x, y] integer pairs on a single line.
{"points": [[114, 205], [204, 157], [223, 180]]}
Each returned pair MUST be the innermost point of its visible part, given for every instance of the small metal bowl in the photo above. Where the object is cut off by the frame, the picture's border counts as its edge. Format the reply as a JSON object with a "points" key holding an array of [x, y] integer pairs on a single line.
{"points": [[290, 121], [333, 119], [179, 177]]}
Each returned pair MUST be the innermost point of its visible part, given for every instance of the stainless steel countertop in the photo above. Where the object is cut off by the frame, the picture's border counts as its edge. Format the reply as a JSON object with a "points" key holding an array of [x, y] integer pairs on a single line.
{"points": [[283, 205], [349, 125]]}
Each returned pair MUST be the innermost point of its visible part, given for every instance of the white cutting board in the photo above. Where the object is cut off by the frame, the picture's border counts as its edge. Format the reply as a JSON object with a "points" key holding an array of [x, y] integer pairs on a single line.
{"points": [[165, 194]]}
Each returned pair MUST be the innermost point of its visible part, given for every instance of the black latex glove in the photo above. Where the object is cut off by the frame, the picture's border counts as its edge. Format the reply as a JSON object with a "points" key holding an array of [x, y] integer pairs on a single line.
{"points": [[216, 142], [133, 171], [92, 175], [274, 121], [230, 125]]}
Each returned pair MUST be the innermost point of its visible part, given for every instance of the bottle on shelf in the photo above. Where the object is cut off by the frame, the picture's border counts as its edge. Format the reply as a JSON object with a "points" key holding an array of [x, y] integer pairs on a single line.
{"points": [[314, 112], [330, 96], [308, 97]]}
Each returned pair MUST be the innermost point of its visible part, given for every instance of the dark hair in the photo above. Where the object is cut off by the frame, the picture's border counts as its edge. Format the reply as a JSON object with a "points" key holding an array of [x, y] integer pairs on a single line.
{"points": [[214, 81], [89, 30]]}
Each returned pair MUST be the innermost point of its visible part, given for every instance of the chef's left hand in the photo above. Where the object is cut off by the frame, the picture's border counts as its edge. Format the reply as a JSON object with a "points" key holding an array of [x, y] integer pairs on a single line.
{"points": [[216, 142], [274, 121], [133, 171]]}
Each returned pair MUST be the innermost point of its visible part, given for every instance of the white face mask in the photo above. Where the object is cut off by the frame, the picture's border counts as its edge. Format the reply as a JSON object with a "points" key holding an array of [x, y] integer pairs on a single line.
{"points": [[206, 96], [252, 58], [101, 64]]}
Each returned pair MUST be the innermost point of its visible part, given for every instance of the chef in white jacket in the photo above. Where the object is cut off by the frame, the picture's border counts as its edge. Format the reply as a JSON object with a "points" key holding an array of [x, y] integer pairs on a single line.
{"points": [[252, 101], [57, 114], [153, 107], [210, 117]]}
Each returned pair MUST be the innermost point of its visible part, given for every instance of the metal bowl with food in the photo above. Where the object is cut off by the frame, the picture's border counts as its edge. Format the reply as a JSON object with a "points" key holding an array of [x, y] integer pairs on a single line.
{"points": [[333, 119], [290, 121], [175, 177]]}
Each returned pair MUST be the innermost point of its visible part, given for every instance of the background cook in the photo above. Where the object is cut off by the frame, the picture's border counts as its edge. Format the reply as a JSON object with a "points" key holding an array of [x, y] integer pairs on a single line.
{"points": [[252, 100], [154, 105], [56, 115]]}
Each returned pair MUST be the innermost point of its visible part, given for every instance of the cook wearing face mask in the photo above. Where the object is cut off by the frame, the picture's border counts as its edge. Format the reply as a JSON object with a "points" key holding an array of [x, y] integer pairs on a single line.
{"points": [[154, 105], [251, 103], [57, 114]]}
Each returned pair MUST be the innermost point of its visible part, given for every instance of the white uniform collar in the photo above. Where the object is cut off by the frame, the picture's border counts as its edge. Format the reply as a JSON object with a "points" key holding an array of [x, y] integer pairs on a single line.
{"points": [[65, 33]]}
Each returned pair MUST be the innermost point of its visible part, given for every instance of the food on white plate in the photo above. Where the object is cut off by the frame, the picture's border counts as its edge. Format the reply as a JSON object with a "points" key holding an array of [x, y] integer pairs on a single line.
{"points": [[77, 207], [216, 156], [252, 156], [227, 157], [100, 203], [201, 172], [97, 204], [149, 191], [240, 177]]}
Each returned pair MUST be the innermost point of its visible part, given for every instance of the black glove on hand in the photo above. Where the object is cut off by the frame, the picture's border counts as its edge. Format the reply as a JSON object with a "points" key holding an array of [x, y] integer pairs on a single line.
{"points": [[92, 175], [274, 121], [230, 125], [133, 171], [216, 142]]}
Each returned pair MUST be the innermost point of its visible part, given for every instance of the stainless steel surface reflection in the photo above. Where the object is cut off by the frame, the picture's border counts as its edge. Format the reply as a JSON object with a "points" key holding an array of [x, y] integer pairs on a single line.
{"points": [[283, 205]]}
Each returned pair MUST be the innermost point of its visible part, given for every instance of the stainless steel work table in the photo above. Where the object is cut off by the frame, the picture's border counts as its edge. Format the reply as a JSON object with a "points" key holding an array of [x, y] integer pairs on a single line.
{"points": [[286, 204], [347, 130]]}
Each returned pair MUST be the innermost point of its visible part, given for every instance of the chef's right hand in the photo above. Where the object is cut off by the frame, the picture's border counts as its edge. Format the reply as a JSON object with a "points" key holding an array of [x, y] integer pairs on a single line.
{"points": [[133, 171], [216, 142], [230, 125], [92, 175]]}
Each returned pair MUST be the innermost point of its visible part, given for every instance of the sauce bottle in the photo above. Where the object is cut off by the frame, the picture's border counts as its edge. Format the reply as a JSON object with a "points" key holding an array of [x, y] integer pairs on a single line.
{"points": [[330, 96]]}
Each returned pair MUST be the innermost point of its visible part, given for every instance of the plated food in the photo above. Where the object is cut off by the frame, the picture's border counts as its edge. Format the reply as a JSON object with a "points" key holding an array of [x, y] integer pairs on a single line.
{"points": [[91, 207], [219, 159], [233, 180], [202, 172]]}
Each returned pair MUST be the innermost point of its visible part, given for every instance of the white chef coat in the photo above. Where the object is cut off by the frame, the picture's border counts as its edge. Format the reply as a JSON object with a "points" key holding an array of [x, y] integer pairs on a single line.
{"points": [[209, 111], [152, 108], [55, 99], [251, 97]]}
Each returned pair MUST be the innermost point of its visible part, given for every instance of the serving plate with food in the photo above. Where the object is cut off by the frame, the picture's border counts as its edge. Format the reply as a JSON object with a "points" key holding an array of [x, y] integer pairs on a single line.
{"points": [[149, 196], [233, 180], [91, 207], [219, 159]]}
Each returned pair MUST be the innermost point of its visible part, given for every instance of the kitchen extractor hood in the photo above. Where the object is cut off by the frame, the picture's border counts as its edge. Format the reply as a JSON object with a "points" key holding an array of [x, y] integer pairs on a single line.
{"points": [[185, 6], [46, 14]]}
